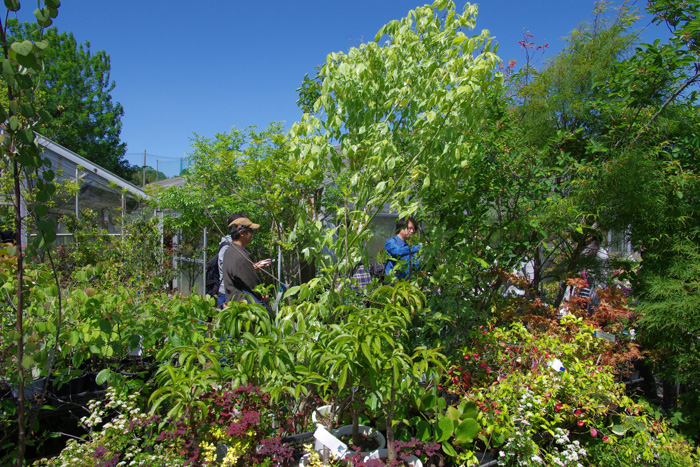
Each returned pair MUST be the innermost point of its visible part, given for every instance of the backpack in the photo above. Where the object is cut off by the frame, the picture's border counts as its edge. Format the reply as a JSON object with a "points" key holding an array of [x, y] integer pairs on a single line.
{"points": [[213, 279], [376, 268]]}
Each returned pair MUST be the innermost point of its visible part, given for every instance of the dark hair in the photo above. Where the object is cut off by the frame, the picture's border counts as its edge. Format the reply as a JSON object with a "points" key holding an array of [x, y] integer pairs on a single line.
{"points": [[235, 230], [403, 223]]}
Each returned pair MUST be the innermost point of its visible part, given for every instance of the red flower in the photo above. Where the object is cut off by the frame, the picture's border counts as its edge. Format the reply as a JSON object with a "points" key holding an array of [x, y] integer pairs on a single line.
{"points": [[558, 407], [605, 438], [581, 423]]}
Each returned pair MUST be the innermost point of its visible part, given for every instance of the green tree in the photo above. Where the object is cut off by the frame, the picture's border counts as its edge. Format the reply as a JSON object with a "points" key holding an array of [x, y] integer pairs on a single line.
{"points": [[151, 175], [254, 172], [628, 118], [32, 186], [75, 87], [401, 108]]}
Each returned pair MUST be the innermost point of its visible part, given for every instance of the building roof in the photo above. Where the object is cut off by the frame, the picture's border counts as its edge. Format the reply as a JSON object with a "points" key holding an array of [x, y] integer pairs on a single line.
{"points": [[66, 163]]}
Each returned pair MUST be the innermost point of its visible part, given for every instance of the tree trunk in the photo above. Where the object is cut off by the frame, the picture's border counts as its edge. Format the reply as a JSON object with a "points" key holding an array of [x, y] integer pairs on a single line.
{"points": [[21, 423], [391, 449], [573, 263]]}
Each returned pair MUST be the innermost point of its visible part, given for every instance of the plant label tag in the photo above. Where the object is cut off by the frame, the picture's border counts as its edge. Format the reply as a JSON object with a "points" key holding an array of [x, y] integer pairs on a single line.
{"points": [[556, 365], [337, 448], [605, 335]]}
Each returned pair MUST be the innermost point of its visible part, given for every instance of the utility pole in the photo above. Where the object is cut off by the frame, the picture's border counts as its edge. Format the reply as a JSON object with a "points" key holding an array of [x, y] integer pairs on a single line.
{"points": [[143, 171]]}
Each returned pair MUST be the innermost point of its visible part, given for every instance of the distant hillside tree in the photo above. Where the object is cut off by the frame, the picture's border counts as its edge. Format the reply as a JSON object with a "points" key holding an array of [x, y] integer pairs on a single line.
{"points": [[151, 175], [75, 88]]}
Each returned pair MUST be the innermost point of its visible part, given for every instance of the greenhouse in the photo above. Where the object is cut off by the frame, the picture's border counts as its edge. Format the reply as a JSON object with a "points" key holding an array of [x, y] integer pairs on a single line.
{"points": [[112, 198]]}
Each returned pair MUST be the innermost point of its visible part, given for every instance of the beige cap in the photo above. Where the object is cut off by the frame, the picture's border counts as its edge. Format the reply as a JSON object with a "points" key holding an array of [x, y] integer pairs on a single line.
{"points": [[244, 222]]}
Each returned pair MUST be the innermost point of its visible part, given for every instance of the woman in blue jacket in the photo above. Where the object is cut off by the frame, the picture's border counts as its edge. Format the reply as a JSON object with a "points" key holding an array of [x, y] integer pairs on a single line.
{"points": [[399, 251]]}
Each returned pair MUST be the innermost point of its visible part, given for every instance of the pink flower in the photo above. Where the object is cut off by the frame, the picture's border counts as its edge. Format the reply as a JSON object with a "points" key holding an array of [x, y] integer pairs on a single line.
{"points": [[594, 432]]}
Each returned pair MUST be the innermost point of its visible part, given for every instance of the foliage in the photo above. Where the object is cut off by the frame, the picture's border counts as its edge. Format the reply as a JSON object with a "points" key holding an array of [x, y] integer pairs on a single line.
{"points": [[520, 178], [537, 415], [238, 418], [135, 257], [151, 175], [400, 108], [247, 171], [20, 155], [669, 324], [75, 88], [120, 431]]}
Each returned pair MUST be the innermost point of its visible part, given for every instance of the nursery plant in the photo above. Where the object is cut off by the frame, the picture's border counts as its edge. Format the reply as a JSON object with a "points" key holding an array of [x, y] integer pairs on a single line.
{"points": [[373, 352]]}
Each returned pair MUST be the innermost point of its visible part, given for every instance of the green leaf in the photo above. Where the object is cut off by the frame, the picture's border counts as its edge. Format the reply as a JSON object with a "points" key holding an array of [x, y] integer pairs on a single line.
{"points": [[467, 431], [43, 17], [449, 450], [27, 361], [423, 431], [428, 402], [469, 410], [73, 338], [444, 429], [40, 356], [41, 210], [14, 123], [12, 5], [105, 326], [26, 136], [453, 413], [8, 71], [619, 430], [23, 48], [103, 376], [291, 291]]}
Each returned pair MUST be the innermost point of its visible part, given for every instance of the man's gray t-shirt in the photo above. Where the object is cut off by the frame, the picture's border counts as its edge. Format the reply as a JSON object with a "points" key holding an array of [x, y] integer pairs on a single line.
{"points": [[239, 273]]}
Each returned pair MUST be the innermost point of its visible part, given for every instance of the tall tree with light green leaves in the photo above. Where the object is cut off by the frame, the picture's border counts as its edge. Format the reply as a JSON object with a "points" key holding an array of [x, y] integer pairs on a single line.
{"points": [[401, 109]]}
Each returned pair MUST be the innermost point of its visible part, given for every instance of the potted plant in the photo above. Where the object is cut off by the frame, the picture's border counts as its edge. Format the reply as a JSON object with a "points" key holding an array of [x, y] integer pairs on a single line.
{"points": [[374, 352]]}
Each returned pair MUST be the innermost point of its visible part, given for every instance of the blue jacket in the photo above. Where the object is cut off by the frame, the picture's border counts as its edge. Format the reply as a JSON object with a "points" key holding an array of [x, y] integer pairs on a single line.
{"points": [[398, 250]]}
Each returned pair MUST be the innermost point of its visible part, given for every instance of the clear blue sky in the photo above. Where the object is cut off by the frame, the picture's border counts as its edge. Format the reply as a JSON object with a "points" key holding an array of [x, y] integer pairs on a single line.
{"points": [[184, 67]]}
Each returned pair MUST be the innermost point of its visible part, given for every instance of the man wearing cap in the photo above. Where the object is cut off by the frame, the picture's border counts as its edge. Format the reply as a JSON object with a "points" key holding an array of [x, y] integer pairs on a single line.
{"points": [[240, 273]]}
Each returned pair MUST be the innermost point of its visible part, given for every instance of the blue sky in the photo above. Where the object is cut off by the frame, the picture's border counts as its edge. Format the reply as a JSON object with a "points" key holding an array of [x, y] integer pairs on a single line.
{"points": [[184, 67]]}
